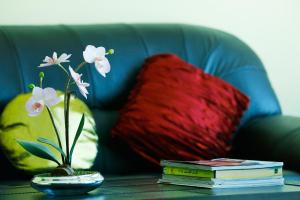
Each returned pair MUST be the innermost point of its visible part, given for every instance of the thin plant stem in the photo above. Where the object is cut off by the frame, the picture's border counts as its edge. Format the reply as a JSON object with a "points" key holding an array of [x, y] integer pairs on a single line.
{"points": [[80, 66], [66, 112], [66, 109], [56, 132], [66, 72], [41, 82]]}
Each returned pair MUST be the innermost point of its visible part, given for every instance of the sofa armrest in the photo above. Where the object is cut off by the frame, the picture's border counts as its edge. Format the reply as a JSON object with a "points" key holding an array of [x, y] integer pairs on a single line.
{"points": [[274, 138]]}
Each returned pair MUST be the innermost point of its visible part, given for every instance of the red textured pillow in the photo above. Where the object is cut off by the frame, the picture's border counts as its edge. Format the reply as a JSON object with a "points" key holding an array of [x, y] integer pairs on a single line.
{"points": [[177, 111]]}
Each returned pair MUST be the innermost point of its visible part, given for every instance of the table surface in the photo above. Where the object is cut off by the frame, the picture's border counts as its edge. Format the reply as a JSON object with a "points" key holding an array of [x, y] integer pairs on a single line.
{"points": [[146, 187]]}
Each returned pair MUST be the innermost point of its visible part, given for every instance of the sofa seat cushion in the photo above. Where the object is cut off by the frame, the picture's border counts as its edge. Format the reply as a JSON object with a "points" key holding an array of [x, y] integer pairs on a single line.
{"points": [[177, 111]]}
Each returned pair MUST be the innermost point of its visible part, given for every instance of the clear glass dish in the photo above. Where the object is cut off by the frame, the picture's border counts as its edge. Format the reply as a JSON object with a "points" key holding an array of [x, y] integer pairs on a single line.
{"points": [[81, 183]]}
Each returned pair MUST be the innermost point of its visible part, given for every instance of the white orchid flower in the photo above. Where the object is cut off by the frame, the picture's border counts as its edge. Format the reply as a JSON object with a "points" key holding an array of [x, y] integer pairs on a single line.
{"points": [[91, 54], [48, 61], [80, 84], [41, 97]]}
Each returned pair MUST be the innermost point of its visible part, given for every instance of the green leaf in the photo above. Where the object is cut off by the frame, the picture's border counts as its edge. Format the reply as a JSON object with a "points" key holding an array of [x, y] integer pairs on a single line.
{"points": [[79, 130], [38, 150], [49, 142]]}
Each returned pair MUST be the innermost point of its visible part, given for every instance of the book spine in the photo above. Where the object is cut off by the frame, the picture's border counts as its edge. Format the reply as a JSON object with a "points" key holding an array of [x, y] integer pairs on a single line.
{"points": [[188, 172]]}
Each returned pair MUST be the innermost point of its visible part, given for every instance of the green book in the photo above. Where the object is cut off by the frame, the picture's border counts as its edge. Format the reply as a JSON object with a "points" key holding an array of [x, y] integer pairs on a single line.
{"points": [[224, 174], [188, 172]]}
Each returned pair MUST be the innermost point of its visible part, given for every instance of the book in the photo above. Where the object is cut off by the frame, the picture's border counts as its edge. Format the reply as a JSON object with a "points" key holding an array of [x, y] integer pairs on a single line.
{"points": [[217, 183], [292, 180], [235, 190], [222, 164], [224, 174]]}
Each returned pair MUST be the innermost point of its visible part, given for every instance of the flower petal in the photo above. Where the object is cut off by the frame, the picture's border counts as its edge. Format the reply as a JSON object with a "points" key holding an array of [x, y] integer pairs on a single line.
{"points": [[74, 75], [100, 52], [37, 93], [63, 58], [85, 84], [52, 101], [44, 65], [80, 84], [103, 66], [47, 59], [83, 90], [89, 54], [54, 56], [33, 107], [50, 97]]}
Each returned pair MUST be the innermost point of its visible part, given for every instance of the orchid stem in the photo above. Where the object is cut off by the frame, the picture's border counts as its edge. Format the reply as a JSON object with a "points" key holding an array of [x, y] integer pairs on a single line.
{"points": [[80, 66], [56, 132], [67, 125], [62, 67], [66, 112], [66, 109], [41, 82]]}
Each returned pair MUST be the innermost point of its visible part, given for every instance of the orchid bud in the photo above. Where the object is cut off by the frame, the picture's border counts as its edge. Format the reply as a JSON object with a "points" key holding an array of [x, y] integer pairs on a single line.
{"points": [[41, 75], [111, 51], [31, 86]]}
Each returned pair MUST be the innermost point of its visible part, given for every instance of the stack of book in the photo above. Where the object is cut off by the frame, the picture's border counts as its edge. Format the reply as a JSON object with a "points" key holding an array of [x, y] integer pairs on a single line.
{"points": [[222, 173]]}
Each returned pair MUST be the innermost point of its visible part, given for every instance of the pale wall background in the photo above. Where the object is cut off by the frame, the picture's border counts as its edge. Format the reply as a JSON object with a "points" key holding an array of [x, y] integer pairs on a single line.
{"points": [[270, 27]]}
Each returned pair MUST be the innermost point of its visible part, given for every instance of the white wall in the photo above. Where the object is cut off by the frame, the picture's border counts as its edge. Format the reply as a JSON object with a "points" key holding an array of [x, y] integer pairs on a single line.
{"points": [[270, 27]]}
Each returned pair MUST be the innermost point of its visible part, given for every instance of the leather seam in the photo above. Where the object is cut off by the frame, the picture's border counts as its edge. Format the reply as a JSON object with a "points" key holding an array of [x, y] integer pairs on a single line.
{"points": [[210, 53], [16, 55], [140, 37], [246, 67], [184, 43]]}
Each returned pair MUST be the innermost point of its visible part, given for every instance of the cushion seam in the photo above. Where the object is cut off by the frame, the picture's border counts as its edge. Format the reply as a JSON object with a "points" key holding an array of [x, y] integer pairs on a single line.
{"points": [[242, 68], [16, 55], [136, 32], [184, 43]]}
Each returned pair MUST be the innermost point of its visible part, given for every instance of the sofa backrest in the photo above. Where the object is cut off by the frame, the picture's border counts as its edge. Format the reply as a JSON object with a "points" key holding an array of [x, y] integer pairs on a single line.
{"points": [[22, 49]]}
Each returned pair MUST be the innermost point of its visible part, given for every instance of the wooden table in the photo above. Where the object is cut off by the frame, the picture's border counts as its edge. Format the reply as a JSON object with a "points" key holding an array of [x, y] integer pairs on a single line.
{"points": [[145, 187]]}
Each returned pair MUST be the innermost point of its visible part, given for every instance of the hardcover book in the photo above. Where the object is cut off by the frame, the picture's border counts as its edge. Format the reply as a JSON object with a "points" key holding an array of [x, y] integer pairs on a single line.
{"points": [[215, 183], [221, 164], [224, 174]]}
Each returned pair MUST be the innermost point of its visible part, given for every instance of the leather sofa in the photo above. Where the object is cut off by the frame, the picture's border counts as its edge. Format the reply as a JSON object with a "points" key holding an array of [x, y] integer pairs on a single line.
{"points": [[264, 133]]}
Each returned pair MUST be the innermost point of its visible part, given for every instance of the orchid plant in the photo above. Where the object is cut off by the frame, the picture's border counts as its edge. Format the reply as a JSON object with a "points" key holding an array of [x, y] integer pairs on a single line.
{"points": [[47, 97]]}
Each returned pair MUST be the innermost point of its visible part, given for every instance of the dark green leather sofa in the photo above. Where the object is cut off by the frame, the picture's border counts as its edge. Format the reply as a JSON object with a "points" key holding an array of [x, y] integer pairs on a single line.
{"points": [[263, 133]]}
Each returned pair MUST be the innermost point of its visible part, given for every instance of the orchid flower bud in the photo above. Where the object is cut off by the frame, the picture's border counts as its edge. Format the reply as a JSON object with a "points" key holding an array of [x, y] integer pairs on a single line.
{"points": [[110, 51], [30, 86], [41, 75]]}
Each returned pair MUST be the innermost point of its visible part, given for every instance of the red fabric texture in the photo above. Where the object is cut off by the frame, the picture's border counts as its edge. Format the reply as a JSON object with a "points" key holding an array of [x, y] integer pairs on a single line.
{"points": [[178, 112]]}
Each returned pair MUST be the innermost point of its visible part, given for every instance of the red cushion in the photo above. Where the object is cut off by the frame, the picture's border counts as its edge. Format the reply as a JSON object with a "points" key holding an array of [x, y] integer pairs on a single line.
{"points": [[176, 111]]}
